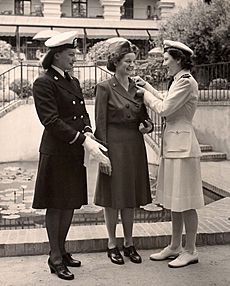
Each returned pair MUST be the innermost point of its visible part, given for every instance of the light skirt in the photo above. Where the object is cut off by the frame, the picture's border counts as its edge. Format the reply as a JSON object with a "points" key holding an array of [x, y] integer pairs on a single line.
{"points": [[179, 186]]}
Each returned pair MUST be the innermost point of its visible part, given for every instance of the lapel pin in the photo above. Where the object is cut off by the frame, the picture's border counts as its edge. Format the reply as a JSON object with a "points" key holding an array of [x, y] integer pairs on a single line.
{"points": [[55, 77]]}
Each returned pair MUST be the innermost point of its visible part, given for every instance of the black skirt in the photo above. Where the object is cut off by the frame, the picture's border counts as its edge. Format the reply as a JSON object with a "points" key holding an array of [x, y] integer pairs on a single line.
{"points": [[61, 183], [128, 186]]}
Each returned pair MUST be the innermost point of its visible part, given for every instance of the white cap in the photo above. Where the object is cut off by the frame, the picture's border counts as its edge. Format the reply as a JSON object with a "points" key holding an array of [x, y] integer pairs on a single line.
{"points": [[177, 45], [62, 39], [59, 42]]}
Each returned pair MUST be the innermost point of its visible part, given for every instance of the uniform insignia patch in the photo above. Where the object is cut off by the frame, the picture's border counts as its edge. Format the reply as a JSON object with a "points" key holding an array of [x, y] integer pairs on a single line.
{"points": [[186, 75]]}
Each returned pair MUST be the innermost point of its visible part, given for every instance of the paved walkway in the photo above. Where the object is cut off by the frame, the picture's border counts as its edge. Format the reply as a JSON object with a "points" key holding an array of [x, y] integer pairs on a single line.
{"points": [[212, 270], [213, 242]]}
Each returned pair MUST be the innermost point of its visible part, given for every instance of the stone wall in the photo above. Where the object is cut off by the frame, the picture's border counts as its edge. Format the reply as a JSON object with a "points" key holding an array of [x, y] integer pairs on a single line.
{"points": [[212, 124]]}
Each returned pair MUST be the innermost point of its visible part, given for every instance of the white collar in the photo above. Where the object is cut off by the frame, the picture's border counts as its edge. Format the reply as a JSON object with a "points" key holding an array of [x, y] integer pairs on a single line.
{"points": [[58, 70]]}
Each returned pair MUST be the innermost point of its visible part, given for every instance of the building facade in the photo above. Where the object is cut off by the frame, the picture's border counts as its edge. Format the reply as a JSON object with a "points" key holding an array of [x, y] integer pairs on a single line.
{"points": [[95, 20]]}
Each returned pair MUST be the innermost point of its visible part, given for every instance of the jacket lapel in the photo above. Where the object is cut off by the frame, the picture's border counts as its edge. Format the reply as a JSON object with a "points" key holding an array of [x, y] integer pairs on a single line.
{"points": [[118, 88], [71, 86]]}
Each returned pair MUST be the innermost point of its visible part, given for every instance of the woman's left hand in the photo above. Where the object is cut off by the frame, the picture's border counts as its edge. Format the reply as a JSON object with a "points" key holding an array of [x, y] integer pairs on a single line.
{"points": [[145, 128]]}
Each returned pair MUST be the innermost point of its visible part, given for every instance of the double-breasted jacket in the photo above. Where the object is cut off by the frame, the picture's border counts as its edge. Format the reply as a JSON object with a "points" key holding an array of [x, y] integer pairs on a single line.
{"points": [[61, 109]]}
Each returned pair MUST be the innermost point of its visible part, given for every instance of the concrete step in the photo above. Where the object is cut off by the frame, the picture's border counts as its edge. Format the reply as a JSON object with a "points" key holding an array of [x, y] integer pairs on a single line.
{"points": [[205, 147], [213, 156]]}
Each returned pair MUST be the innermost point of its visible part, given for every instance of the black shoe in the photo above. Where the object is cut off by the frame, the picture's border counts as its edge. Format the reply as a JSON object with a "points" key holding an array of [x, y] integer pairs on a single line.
{"points": [[132, 254], [68, 260], [115, 255], [61, 270]]}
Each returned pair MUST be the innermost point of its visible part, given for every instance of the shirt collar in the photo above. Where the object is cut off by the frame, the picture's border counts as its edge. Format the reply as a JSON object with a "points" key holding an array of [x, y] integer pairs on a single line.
{"points": [[180, 73], [58, 70]]}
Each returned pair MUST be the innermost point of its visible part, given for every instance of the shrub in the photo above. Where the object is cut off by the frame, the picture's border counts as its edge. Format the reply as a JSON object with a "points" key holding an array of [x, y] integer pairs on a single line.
{"points": [[219, 83], [24, 90], [88, 86], [152, 71]]}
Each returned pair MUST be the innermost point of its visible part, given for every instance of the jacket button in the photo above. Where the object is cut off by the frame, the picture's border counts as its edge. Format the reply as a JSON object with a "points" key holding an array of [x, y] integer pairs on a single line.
{"points": [[74, 102], [82, 131], [82, 116], [128, 115], [75, 117], [81, 102], [127, 105], [137, 105]]}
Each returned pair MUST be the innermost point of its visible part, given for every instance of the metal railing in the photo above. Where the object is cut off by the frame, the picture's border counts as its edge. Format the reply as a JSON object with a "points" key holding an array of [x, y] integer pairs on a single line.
{"points": [[16, 84], [214, 81]]}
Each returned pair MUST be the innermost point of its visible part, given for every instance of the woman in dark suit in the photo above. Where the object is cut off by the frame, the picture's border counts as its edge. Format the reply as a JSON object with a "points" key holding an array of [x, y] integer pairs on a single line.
{"points": [[121, 120], [61, 178]]}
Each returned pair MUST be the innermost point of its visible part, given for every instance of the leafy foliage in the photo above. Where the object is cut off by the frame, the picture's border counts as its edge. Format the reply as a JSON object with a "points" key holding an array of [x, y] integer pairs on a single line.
{"points": [[152, 71], [23, 90], [88, 86], [205, 28], [99, 51]]}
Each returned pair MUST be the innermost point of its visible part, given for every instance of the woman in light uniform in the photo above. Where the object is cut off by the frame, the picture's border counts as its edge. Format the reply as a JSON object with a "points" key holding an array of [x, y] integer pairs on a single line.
{"points": [[179, 185]]}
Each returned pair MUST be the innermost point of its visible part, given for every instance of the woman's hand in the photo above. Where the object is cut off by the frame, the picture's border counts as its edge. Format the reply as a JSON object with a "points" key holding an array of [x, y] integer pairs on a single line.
{"points": [[145, 127], [139, 81], [106, 167], [140, 91]]}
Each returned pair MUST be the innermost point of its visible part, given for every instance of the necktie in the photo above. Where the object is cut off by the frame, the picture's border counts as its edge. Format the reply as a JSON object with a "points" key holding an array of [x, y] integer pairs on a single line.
{"points": [[170, 82], [67, 76]]}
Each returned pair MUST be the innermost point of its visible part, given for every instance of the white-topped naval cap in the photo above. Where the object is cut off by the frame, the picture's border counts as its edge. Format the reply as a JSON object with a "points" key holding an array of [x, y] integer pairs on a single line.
{"points": [[59, 43], [66, 38], [177, 45]]}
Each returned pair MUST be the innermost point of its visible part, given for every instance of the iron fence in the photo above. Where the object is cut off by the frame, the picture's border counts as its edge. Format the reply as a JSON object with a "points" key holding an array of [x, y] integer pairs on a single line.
{"points": [[213, 81], [16, 84]]}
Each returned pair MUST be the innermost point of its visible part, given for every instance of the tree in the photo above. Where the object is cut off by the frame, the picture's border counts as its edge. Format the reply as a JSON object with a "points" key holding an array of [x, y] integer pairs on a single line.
{"points": [[205, 28]]}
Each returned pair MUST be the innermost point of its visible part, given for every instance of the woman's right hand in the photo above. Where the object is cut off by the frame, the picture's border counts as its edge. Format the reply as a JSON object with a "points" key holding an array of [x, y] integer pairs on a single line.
{"points": [[105, 167], [139, 81]]}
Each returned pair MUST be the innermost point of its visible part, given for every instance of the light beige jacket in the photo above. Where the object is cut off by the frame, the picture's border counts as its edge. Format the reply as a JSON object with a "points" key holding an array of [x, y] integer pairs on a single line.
{"points": [[178, 107]]}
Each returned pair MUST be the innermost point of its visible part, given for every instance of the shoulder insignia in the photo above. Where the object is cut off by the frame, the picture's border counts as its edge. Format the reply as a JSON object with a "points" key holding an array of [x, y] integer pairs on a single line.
{"points": [[185, 75]]}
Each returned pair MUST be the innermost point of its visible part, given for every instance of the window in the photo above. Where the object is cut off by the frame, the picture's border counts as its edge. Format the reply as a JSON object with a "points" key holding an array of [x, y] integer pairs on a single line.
{"points": [[79, 8], [127, 10], [22, 7]]}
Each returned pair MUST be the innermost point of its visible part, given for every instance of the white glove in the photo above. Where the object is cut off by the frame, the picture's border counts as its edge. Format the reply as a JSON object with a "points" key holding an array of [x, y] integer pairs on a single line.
{"points": [[93, 147]]}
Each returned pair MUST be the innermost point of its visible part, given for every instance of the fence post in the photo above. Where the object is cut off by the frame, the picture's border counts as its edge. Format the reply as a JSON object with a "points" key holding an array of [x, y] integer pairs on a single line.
{"points": [[95, 73], [21, 83]]}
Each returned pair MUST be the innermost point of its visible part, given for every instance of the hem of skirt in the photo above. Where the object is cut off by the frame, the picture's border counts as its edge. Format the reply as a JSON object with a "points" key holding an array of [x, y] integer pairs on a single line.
{"points": [[123, 206], [182, 209], [57, 207]]}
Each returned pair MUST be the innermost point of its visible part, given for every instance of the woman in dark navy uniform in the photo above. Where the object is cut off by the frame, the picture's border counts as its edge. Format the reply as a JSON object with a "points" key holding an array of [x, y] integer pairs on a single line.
{"points": [[61, 178], [120, 116]]}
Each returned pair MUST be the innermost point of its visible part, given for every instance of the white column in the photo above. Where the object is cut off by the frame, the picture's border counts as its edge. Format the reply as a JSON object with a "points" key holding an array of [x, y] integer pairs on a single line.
{"points": [[166, 7], [52, 8], [112, 9]]}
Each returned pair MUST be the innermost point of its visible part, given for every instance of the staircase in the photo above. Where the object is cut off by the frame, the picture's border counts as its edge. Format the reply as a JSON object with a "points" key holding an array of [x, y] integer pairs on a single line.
{"points": [[209, 155]]}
